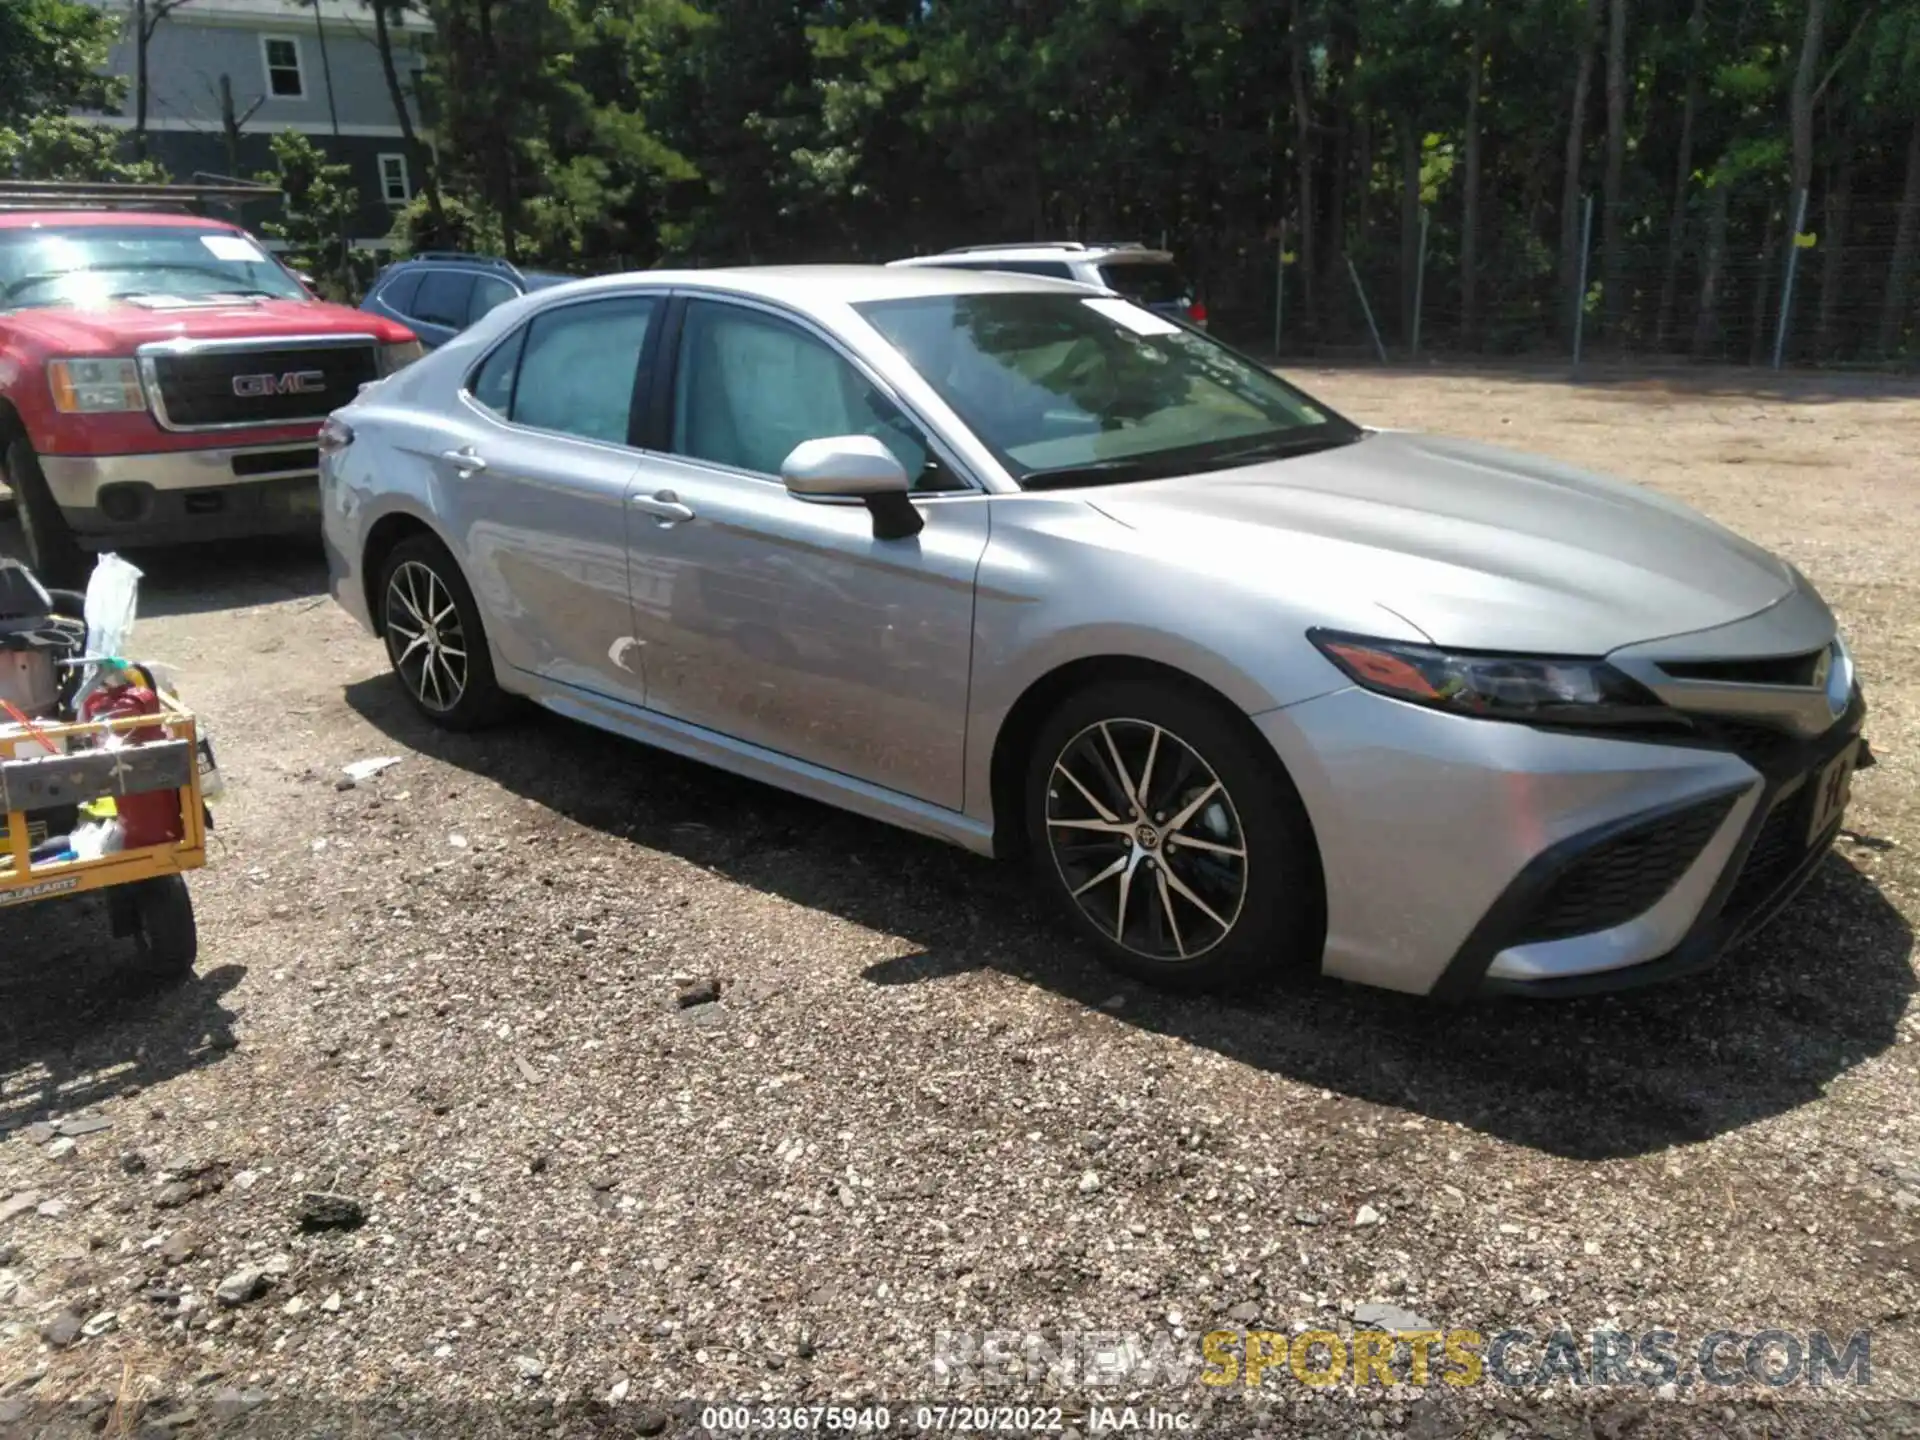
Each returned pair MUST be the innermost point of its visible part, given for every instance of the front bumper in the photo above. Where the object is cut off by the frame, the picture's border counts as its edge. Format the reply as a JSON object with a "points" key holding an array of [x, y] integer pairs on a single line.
{"points": [[1449, 845], [177, 496]]}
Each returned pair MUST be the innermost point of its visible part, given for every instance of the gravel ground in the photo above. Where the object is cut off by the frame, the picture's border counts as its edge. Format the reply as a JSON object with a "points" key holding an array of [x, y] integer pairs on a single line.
{"points": [[472, 997]]}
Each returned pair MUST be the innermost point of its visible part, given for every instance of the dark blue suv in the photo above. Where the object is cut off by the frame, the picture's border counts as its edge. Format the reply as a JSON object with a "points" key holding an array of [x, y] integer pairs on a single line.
{"points": [[438, 293]]}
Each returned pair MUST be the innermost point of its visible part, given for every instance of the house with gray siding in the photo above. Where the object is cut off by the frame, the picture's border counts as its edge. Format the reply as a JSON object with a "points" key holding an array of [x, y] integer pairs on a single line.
{"points": [[275, 66]]}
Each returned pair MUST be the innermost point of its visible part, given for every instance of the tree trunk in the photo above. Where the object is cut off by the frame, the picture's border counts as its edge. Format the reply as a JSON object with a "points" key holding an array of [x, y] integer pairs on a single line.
{"points": [[142, 33], [1682, 178], [1470, 192], [1893, 309], [417, 156], [1801, 101], [1303, 157], [1612, 267], [1570, 185], [229, 125], [1706, 319], [1833, 247], [1409, 224], [1759, 333]]}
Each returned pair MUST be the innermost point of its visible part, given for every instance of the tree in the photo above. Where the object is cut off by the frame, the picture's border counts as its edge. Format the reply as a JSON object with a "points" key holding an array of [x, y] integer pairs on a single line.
{"points": [[52, 57], [148, 16], [1612, 270], [1571, 238], [59, 147], [320, 205]]}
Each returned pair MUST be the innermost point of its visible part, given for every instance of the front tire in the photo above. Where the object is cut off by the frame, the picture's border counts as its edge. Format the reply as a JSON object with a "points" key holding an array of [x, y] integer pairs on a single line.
{"points": [[52, 552], [435, 640], [1172, 839]]}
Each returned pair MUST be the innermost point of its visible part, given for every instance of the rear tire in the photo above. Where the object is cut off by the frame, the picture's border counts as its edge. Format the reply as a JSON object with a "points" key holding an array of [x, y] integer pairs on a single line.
{"points": [[52, 552], [1214, 879], [435, 640], [164, 927]]}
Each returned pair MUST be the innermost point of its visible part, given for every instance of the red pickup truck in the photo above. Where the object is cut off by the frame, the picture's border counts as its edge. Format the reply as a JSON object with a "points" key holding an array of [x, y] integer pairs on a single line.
{"points": [[162, 375]]}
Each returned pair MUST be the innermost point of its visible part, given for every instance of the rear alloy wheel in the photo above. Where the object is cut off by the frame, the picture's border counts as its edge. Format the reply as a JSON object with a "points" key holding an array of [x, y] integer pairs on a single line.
{"points": [[434, 637], [1170, 839]]}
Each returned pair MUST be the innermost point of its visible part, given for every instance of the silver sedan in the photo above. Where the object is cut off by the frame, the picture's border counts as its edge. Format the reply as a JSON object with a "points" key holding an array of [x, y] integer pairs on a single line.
{"points": [[1021, 565]]}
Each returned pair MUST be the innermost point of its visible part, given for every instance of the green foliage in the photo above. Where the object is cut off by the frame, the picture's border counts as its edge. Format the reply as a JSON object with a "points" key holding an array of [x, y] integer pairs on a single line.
{"points": [[58, 147], [51, 55], [321, 202]]}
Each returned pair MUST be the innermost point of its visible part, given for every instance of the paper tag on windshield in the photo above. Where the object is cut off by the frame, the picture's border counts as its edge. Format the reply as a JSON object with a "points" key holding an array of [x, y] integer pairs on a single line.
{"points": [[233, 247], [1141, 322]]}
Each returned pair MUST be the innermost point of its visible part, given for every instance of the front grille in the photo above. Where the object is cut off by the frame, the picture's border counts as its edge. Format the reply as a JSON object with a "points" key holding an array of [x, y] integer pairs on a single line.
{"points": [[1777, 851], [1773, 670], [1761, 746], [1625, 876], [280, 385]]}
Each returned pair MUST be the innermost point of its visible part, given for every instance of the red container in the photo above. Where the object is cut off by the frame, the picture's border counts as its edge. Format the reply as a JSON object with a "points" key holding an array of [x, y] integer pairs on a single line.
{"points": [[152, 818]]}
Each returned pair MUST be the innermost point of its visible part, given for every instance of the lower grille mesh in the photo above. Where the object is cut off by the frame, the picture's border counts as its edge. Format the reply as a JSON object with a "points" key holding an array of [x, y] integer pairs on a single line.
{"points": [[1625, 876]]}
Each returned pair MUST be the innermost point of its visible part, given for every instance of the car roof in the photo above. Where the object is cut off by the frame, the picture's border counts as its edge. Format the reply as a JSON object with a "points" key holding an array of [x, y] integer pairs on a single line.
{"points": [[36, 219], [810, 287]]}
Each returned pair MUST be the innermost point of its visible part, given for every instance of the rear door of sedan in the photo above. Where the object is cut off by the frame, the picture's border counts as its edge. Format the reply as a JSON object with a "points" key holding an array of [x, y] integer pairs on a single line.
{"points": [[782, 622], [538, 490]]}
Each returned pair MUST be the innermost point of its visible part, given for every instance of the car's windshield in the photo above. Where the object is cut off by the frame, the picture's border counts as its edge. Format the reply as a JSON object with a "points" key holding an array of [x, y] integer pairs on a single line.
{"points": [[1069, 389], [92, 264]]}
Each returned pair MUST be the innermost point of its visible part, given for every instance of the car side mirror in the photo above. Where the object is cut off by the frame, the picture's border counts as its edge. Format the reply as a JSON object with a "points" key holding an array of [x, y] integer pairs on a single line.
{"points": [[850, 467]]}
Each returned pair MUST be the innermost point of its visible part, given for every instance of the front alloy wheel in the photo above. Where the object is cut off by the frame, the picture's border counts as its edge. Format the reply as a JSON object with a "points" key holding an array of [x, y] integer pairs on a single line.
{"points": [[1172, 837], [1146, 839]]}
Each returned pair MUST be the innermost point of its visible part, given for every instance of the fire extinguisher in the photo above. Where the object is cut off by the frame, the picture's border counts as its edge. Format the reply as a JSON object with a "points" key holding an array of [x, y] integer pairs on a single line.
{"points": [[152, 818]]}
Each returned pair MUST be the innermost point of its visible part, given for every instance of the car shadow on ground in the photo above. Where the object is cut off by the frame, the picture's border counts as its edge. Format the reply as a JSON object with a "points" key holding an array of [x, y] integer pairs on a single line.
{"points": [[1767, 1030], [218, 575], [80, 1025]]}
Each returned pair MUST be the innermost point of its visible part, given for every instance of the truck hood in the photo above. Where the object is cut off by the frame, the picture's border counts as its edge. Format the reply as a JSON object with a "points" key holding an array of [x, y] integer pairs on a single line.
{"points": [[1478, 547], [118, 328]]}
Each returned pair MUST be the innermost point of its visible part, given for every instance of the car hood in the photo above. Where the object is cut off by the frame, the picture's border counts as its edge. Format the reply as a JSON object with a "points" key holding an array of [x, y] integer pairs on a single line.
{"points": [[116, 329], [1478, 547]]}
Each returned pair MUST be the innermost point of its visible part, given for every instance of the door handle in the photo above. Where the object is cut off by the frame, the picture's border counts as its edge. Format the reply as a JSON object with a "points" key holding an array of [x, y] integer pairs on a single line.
{"points": [[466, 460], [663, 505]]}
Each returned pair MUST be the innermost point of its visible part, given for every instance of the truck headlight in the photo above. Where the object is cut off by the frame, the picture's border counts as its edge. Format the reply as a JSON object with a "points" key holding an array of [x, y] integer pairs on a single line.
{"points": [[398, 357], [95, 387]]}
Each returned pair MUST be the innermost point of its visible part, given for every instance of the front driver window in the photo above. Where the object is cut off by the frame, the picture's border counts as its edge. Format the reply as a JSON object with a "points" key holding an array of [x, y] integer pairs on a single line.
{"points": [[577, 372], [750, 387]]}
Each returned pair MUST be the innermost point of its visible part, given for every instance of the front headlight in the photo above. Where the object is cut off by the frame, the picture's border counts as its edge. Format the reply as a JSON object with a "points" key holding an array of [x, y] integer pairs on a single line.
{"points": [[1537, 688], [398, 357], [95, 387]]}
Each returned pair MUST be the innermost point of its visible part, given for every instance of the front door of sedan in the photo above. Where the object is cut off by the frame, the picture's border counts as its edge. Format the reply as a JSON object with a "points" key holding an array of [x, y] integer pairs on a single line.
{"points": [[784, 623], [539, 491]]}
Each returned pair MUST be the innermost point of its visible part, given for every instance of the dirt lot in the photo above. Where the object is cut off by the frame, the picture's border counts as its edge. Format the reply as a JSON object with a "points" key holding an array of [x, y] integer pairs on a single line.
{"points": [[452, 993]]}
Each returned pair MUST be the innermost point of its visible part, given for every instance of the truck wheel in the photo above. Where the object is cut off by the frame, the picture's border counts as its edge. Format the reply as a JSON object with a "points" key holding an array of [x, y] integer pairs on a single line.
{"points": [[51, 551], [164, 926]]}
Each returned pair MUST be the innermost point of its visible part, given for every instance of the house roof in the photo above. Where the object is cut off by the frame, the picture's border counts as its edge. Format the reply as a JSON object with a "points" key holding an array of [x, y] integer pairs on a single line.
{"points": [[278, 12]]}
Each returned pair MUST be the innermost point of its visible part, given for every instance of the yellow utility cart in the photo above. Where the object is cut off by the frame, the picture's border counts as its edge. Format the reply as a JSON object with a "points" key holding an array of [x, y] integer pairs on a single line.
{"points": [[58, 767]]}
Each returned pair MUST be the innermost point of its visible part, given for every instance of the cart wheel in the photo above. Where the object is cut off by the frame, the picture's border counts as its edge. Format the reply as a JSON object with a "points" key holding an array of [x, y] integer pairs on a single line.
{"points": [[169, 940]]}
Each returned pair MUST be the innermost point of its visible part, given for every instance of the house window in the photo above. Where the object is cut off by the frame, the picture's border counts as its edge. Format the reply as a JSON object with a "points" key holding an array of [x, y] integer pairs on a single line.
{"points": [[284, 78], [393, 179]]}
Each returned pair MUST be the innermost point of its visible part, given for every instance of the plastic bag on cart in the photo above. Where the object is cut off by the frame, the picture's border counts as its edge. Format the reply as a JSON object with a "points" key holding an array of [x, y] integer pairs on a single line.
{"points": [[113, 595]]}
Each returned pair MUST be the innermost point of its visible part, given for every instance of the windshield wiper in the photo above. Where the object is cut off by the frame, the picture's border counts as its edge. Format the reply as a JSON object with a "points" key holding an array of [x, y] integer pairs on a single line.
{"points": [[1280, 447], [1094, 472]]}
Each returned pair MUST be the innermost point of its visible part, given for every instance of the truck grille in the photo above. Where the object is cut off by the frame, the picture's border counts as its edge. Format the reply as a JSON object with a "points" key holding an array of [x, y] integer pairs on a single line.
{"points": [[258, 386]]}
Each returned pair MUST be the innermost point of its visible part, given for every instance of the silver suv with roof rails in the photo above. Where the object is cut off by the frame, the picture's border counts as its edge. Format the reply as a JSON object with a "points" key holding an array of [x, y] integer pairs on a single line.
{"points": [[1145, 276]]}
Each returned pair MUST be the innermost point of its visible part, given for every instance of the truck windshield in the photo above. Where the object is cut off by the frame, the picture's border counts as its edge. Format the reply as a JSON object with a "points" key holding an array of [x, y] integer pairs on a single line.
{"points": [[94, 264]]}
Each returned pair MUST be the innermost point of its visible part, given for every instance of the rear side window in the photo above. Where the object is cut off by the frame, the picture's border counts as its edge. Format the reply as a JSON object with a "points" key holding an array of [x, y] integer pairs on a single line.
{"points": [[492, 383], [398, 293], [489, 291], [577, 368], [1148, 282], [1052, 269], [443, 298]]}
